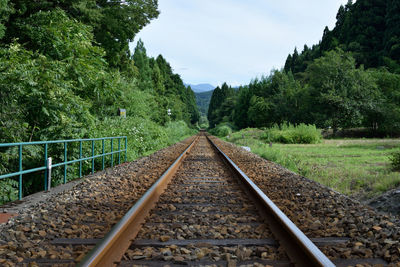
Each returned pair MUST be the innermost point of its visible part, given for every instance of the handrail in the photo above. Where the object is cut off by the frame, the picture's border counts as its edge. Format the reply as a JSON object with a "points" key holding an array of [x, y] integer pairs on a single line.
{"points": [[66, 162]]}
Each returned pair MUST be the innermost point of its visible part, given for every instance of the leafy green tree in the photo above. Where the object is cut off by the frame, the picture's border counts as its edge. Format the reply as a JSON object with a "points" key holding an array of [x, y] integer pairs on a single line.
{"points": [[115, 23], [43, 98], [385, 115], [338, 91]]}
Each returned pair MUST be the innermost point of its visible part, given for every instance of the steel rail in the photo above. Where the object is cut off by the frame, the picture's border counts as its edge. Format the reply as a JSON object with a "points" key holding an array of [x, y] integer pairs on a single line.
{"points": [[111, 248], [300, 249]]}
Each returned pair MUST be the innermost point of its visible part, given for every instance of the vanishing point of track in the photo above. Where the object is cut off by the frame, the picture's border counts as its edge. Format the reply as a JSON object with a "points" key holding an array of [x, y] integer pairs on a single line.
{"points": [[205, 211]]}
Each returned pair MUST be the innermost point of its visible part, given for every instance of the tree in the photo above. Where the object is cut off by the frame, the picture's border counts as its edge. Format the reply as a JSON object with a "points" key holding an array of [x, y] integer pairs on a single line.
{"points": [[339, 93], [39, 93], [392, 36], [240, 116], [5, 11], [115, 23], [141, 61], [215, 102]]}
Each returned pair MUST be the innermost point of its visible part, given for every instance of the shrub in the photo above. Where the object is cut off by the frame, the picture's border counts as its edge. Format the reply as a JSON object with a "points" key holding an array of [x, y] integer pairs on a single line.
{"points": [[221, 131], [290, 134], [8, 190], [395, 160], [144, 136]]}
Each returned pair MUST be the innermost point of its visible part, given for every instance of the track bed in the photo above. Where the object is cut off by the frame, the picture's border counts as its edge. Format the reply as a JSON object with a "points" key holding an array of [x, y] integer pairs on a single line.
{"points": [[203, 216]]}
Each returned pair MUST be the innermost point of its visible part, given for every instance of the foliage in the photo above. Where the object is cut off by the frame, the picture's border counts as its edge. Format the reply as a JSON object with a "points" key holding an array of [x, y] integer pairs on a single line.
{"points": [[290, 134], [332, 93], [144, 136], [114, 23], [65, 70], [8, 190], [357, 167], [339, 92], [221, 106], [221, 131], [203, 101], [5, 11], [40, 96], [395, 161], [369, 29]]}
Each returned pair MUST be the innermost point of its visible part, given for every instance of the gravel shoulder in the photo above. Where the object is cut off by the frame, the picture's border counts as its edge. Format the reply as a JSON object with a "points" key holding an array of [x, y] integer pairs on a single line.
{"points": [[85, 208], [388, 202], [320, 211]]}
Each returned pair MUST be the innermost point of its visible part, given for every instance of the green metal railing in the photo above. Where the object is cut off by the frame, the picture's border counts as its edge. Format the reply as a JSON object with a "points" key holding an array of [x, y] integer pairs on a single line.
{"points": [[66, 162]]}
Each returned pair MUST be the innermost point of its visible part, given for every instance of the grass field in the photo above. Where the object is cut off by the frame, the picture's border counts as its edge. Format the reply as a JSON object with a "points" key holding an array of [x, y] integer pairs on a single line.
{"points": [[356, 167]]}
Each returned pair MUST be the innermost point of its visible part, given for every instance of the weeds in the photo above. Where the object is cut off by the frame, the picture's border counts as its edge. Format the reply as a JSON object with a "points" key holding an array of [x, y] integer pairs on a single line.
{"points": [[395, 161], [357, 167]]}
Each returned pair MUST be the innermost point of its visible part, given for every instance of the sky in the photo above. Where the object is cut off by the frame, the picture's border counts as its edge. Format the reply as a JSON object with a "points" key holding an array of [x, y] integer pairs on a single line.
{"points": [[234, 41]]}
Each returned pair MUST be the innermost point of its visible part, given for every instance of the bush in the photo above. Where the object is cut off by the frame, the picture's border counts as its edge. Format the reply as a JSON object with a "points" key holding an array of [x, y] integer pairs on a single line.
{"points": [[395, 161], [290, 134], [144, 136], [8, 190], [221, 131]]}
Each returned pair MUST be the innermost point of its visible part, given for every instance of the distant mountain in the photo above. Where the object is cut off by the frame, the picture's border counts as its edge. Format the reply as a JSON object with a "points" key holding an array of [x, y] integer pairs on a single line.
{"points": [[202, 87], [203, 101]]}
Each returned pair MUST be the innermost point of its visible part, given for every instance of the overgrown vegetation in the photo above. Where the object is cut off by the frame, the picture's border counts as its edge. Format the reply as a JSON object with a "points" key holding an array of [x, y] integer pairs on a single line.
{"points": [[290, 134], [357, 167], [350, 79], [221, 130], [65, 70], [395, 161]]}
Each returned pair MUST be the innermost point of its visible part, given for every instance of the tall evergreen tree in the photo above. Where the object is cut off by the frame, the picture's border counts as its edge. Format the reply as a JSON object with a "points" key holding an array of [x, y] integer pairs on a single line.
{"points": [[141, 61], [392, 36]]}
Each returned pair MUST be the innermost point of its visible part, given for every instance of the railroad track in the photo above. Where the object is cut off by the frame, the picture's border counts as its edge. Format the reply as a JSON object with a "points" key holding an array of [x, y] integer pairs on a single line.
{"points": [[205, 211], [210, 213]]}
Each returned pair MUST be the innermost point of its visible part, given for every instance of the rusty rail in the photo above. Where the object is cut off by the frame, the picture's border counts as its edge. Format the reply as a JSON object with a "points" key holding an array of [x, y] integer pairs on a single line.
{"points": [[112, 247], [300, 249]]}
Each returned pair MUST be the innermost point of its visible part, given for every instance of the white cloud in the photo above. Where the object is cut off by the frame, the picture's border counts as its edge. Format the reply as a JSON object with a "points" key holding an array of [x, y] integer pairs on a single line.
{"points": [[233, 40]]}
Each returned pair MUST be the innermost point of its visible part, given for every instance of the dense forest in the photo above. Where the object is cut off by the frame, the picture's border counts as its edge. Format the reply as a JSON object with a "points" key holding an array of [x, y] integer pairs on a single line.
{"points": [[203, 101], [350, 79], [65, 65], [66, 68]]}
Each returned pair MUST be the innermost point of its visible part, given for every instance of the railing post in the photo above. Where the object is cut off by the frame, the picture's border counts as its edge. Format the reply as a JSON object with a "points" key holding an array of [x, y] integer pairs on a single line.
{"points": [[92, 156], [126, 147], [45, 164], [80, 157], [48, 169], [112, 154], [20, 169], [119, 151], [102, 150], [65, 161]]}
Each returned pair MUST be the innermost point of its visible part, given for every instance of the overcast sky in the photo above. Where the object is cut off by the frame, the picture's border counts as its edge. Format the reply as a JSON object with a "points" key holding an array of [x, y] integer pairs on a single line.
{"points": [[234, 41]]}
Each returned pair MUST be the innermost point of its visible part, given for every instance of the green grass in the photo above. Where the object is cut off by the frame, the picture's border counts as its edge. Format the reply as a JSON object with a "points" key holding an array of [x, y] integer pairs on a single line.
{"points": [[357, 167]]}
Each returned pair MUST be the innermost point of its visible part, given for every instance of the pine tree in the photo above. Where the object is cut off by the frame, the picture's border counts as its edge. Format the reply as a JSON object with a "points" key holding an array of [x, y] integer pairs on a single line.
{"points": [[142, 63]]}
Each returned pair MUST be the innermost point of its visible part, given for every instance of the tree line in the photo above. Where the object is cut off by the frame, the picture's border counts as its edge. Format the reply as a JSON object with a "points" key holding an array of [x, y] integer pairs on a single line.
{"points": [[66, 65], [330, 85], [65, 70]]}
